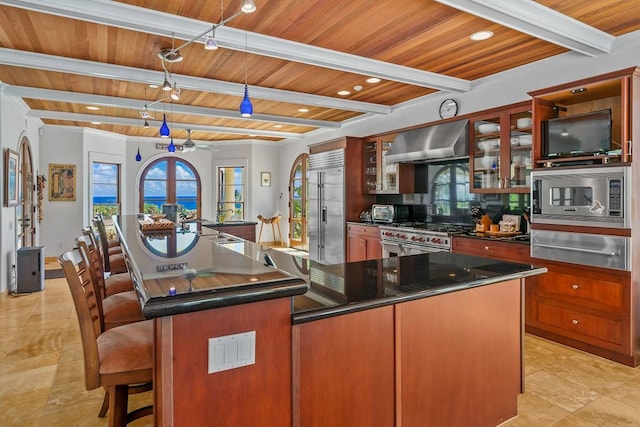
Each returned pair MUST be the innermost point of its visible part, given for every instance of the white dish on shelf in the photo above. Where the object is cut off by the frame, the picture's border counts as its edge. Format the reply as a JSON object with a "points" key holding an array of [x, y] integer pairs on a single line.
{"points": [[487, 128], [488, 144], [515, 141], [525, 140], [523, 123]]}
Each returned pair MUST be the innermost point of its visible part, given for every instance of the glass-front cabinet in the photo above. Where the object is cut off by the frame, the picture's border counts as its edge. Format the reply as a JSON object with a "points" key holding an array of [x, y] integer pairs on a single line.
{"points": [[380, 176], [501, 150]]}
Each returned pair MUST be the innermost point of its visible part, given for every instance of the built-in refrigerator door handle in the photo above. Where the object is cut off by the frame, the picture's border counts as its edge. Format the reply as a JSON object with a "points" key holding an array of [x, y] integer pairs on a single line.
{"points": [[324, 214]]}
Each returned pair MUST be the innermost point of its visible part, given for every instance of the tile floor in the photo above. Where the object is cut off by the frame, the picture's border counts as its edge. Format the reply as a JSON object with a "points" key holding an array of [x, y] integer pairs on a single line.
{"points": [[42, 383]]}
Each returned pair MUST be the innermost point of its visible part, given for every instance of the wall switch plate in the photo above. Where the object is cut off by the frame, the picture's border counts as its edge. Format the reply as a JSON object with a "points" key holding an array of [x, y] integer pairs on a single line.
{"points": [[232, 351]]}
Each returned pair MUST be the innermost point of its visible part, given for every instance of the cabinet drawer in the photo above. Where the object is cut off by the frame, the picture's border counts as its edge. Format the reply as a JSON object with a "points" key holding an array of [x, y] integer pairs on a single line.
{"points": [[364, 230], [590, 328], [576, 289], [514, 252]]}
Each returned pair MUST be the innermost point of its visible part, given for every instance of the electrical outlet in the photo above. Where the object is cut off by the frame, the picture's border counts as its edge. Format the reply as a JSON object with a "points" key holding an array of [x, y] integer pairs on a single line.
{"points": [[60, 244]]}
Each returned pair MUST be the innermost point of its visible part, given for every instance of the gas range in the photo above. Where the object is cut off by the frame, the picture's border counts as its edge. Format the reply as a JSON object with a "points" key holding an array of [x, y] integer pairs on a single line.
{"points": [[419, 237]]}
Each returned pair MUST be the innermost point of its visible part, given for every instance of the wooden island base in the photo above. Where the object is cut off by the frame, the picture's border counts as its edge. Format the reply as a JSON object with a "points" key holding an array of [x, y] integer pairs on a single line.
{"points": [[453, 359]]}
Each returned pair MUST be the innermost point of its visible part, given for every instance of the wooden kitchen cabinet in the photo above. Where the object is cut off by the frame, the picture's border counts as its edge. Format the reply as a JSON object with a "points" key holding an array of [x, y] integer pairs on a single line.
{"points": [[587, 308], [381, 177], [363, 242], [246, 231], [615, 91], [500, 150], [502, 250]]}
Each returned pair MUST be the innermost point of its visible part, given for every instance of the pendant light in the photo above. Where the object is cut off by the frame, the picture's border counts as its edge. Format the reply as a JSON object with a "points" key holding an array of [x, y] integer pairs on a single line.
{"points": [[146, 123], [210, 43], [171, 148], [138, 156], [248, 6], [164, 129], [246, 108]]}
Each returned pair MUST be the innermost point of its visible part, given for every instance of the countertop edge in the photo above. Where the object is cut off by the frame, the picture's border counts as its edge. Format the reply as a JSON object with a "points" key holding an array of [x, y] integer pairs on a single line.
{"points": [[158, 308], [310, 316]]}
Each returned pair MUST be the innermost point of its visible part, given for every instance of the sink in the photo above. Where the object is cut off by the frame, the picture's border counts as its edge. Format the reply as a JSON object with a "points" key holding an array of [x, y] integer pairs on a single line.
{"points": [[221, 238]]}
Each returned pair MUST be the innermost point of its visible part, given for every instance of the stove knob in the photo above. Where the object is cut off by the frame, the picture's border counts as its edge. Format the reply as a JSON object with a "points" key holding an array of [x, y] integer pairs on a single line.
{"points": [[421, 239], [413, 238]]}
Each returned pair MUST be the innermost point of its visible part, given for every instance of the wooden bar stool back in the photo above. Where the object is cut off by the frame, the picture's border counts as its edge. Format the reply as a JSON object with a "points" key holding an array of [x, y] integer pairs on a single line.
{"points": [[115, 359], [275, 222]]}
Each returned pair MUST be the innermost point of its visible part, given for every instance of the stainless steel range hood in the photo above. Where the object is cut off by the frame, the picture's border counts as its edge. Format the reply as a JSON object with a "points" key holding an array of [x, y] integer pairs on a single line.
{"points": [[447, 141]]}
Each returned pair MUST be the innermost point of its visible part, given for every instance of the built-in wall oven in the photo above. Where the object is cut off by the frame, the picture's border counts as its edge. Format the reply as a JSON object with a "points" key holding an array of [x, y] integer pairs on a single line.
{"points": [[592, 197]]}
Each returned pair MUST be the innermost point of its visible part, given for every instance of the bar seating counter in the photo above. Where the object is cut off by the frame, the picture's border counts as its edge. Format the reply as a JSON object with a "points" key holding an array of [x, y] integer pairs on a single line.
{"points": [[433, 339]]}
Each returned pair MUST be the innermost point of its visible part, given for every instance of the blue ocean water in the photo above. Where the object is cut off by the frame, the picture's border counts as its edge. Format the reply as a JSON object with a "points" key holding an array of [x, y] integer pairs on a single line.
{"points": [[189, 203]]}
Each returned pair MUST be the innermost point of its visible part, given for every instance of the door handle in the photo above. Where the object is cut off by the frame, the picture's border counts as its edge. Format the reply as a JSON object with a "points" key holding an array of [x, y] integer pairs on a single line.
{"points": [[324, 214]]}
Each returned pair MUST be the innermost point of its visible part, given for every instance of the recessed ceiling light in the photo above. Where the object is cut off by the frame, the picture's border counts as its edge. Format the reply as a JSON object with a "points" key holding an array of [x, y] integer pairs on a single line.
{"points": [[303, 110], [373, 80], [153, 86], [96, 123], [481, 35], [344, 93], [91, 107], [277, 126], [357, 88]]}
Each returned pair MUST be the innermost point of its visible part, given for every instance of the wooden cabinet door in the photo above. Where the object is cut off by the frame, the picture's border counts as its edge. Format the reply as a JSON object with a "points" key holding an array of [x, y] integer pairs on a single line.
{"points": [[374, 248], [500, 151], [356, 248]]}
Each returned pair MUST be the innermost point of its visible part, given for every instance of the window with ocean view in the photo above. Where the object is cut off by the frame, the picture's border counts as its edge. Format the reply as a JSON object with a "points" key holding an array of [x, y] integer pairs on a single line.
{"points": [[105, 189], [170, 180]]}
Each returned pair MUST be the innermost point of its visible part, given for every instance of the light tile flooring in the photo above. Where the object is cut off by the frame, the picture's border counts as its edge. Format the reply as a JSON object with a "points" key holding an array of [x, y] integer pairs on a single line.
{"points": [[42, 383]]}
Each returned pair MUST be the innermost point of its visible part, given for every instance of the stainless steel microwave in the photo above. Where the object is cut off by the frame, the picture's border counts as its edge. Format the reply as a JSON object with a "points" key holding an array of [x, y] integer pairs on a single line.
{"points": [[595, 197]]}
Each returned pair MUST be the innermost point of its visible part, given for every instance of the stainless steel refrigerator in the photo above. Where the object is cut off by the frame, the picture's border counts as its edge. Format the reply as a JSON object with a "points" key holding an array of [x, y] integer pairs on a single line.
{"points": [[326, 206]]}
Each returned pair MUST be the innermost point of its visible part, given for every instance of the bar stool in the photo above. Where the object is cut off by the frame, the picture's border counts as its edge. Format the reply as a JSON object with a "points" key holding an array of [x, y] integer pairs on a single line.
{"points": [[275, 222]]}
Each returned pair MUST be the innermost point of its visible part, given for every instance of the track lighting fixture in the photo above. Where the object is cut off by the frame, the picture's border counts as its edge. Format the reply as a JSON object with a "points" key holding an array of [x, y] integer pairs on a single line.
{"points": [[166, 85], [175, 92], [164, 129], [248, 6], [146, 123], [189, 145], [210, 43]]}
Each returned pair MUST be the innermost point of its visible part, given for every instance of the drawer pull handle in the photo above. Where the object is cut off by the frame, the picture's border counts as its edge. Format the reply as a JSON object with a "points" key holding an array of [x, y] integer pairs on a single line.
{"points": [[575, 286], [575, 321]]}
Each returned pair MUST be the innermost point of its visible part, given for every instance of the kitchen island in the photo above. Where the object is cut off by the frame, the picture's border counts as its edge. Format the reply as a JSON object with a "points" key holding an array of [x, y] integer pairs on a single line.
{"points": [[430, 339]]}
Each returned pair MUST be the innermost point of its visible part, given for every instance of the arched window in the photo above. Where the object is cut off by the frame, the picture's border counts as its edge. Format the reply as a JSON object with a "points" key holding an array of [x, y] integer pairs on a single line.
{"points": [[170, 180], [450, 191]]}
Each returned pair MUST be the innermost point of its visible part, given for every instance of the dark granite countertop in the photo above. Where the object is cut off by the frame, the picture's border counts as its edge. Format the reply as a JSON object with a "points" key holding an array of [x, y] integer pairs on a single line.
{"points": [[161, 262], [343, 288], [206, 223]]}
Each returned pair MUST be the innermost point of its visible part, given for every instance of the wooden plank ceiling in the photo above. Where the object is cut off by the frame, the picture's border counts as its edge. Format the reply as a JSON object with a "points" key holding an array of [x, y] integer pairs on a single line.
{"points": [[405, 35]]}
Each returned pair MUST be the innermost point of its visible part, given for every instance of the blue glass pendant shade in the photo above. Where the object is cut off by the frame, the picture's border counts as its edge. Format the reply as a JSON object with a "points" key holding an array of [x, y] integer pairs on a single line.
{"points": [[164, 129], [246, 109], [138, 156], [171, 147]]}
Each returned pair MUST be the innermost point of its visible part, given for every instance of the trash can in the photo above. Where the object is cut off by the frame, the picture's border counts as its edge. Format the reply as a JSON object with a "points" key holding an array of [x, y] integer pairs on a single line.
{"points": [[30, 276]]}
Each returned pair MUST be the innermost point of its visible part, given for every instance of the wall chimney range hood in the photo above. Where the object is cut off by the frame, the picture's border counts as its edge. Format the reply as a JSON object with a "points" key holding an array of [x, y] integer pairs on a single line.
{"points": [[447, 141]]}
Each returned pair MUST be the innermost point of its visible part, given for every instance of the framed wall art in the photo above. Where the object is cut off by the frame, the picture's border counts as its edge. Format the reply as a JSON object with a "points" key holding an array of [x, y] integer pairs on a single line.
{"points": [[11, 160], [265, 179], [62, 183]]}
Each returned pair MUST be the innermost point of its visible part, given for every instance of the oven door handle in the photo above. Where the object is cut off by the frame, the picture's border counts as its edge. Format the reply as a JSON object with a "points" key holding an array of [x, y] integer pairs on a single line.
{"points": [[583, 250]]}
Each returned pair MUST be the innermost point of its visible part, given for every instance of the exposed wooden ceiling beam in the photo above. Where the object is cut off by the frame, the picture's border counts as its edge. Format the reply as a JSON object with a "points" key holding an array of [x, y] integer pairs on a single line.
{"points": [[539, 21], [19, 58], [136, 104], [154, 22], [80, 117]]}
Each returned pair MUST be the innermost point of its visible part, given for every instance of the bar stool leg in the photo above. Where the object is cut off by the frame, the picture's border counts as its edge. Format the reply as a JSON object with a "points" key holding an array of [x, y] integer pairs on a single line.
{"points": [[260, 234], [280, 234]]}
